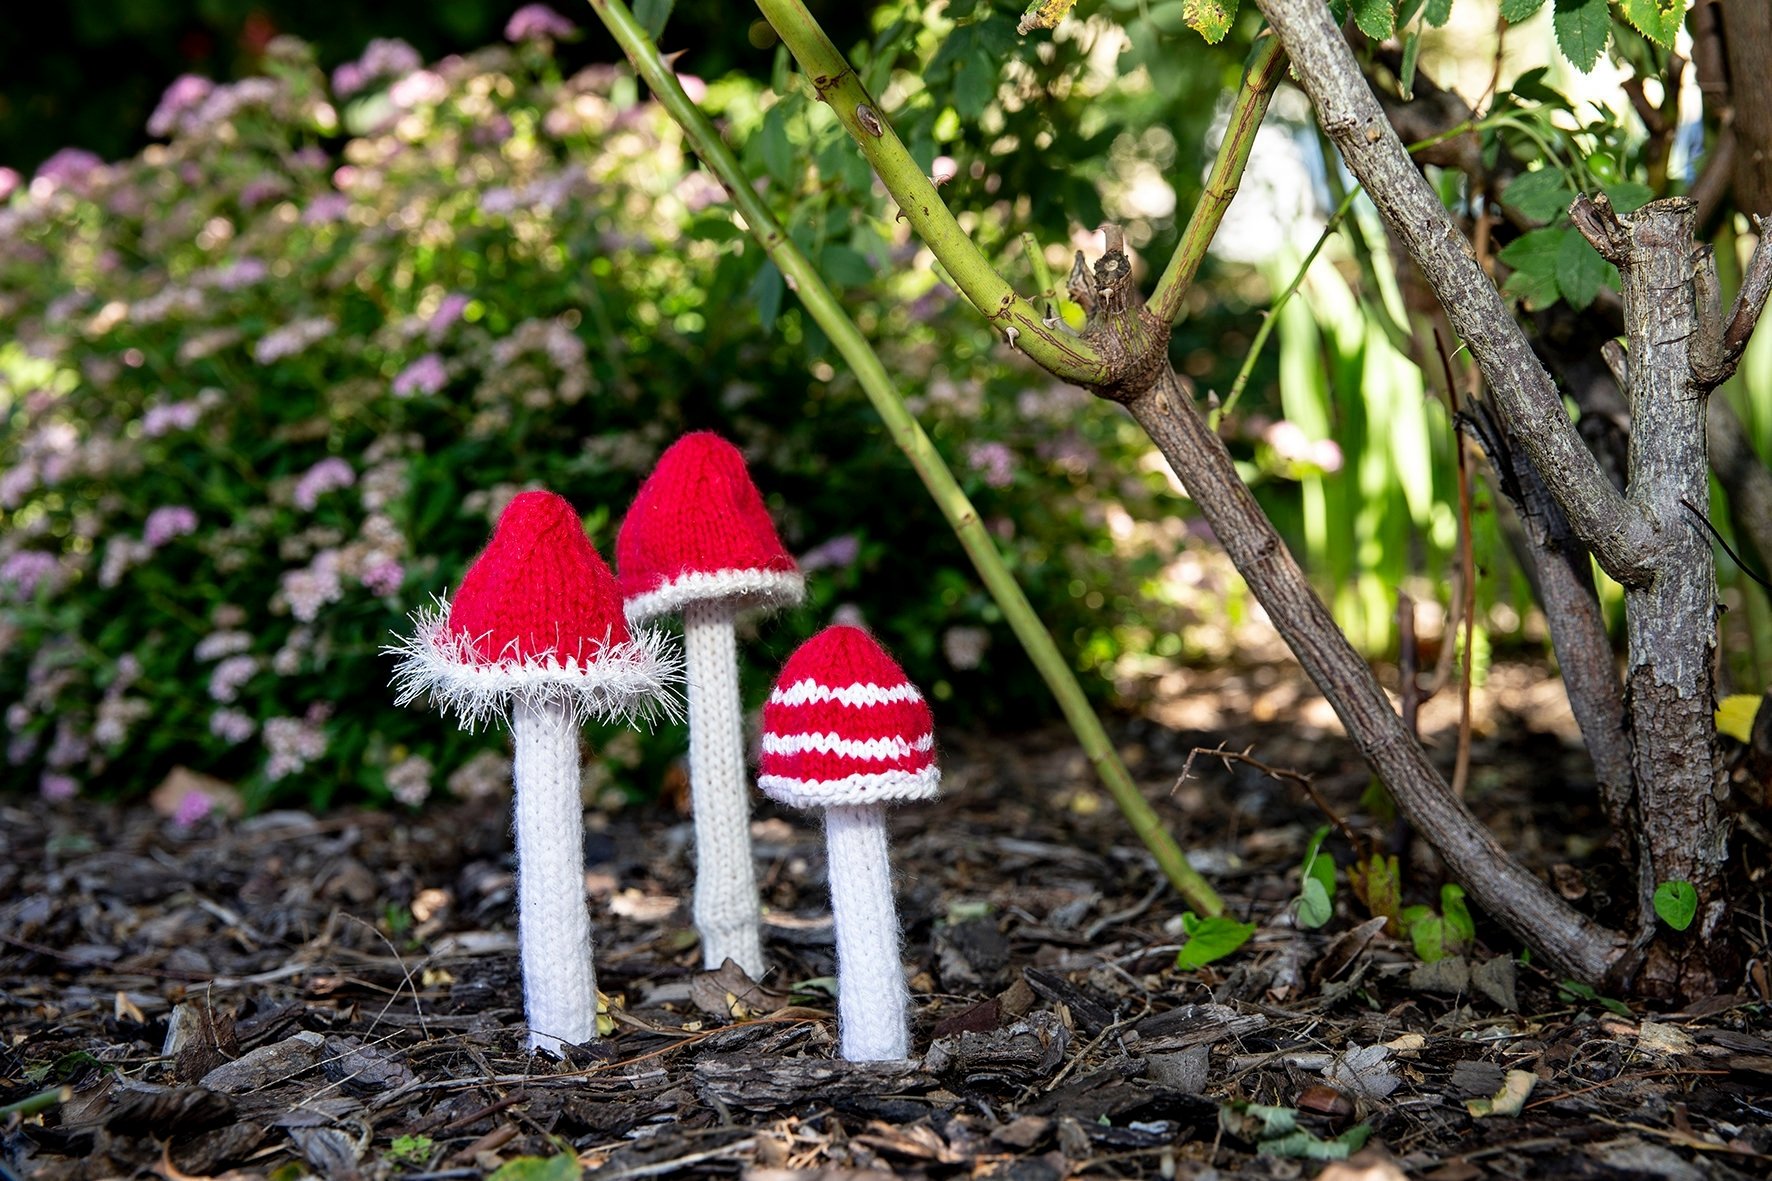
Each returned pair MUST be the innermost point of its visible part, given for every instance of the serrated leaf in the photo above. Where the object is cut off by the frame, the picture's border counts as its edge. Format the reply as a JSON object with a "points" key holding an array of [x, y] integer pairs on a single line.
{"points": [[1437, 13], [1376, 18], [1583, 27], [1210, 939], [1209, 18], [1515, 11], [1736, 714], [1539, 195], [1533, 258], [1676, 903], [1658, 20], [1581, 272]]}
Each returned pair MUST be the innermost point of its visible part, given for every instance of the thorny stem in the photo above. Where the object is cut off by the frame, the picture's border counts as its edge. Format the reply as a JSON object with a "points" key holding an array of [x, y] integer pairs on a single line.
{"points": [[968, 526]]}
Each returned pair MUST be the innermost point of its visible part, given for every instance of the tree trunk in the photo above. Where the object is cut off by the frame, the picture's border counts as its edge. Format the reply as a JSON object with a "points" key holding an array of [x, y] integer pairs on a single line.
{"points": [[1671, 617]]}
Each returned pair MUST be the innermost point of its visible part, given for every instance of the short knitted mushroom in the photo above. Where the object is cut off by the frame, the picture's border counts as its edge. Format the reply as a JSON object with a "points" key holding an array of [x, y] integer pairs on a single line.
{"points": [[844, 731], [699, 541], [536, 634]]}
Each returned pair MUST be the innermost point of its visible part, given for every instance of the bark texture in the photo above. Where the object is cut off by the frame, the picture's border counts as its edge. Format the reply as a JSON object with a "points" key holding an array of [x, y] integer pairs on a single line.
{"points": [[1617, 534], [1747, 47], [1121, 327], [1671, 618]]}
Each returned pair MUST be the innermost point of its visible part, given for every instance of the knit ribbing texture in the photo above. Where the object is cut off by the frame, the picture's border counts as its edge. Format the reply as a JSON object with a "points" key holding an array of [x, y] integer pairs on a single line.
{"points": [[726, 907], [697, 530], [843, 725], [873, 1001], [537, 619], [553, 922]]}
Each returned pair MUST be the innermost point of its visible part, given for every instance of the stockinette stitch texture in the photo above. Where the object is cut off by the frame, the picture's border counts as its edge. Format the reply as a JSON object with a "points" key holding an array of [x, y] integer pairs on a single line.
{"points": [[698, 530], [536, 634], [845, 731], [699, 541]]}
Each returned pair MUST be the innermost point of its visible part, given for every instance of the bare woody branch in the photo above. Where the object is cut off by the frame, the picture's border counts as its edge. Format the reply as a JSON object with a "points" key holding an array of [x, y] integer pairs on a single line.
{"points": [[1619, 536]]}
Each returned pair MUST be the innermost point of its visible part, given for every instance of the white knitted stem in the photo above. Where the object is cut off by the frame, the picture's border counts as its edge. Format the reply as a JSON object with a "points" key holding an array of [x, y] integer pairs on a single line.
{"points": [[872, 1000], [553, 920], [726, 911]]}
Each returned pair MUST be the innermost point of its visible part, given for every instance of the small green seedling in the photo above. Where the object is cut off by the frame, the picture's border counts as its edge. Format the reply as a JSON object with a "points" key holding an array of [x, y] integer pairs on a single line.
{"points": [[1275, 1132], [1677, 904], [1437, 936], [1574, 992], [1316, 897], [409, 1151], [1210, 939]]}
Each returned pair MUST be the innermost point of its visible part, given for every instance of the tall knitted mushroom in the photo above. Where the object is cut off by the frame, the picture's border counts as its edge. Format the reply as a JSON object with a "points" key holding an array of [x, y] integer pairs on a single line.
{"points": [[699, 541], [535, 634], [844, 731]]}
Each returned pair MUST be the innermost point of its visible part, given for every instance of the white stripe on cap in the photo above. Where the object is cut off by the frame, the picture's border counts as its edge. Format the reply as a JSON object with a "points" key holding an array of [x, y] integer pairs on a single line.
{"points": [[809, 691], [852, 748]]}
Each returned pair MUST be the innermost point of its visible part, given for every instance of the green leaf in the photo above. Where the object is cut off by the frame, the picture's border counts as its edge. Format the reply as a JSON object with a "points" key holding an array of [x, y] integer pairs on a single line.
{"points": [[1539, 195], [845, 267], [1314, 907], [653, 14], [1427, 932], [975, 83], [1209, 18], [766, 291], [772, 141], [1210, 939], [1459, 923], [1581, 272], [1533, 258], [564, 1167], [1658, 20], [1676, 903], [1437, 12], [1411, 51], [1515, 11], [1627, 196], [1376, 18], [1583, 27]]}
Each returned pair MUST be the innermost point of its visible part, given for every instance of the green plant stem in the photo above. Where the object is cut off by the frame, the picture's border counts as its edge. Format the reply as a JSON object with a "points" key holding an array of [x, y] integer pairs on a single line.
{"points": [[1273, 314], [1030, 245], [908, 435], [1267, 65], [37, 1104], [835, 82]]}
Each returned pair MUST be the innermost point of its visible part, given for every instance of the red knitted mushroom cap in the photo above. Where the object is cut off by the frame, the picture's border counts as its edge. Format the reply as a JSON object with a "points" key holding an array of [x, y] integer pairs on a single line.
{"points": [[537, 618], [698, 532], [844, 726]]}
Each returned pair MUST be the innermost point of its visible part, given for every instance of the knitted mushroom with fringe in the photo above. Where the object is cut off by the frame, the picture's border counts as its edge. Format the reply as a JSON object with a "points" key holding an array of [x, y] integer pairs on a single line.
{"points": [[535, 636], [698, 541], [845, 731]]}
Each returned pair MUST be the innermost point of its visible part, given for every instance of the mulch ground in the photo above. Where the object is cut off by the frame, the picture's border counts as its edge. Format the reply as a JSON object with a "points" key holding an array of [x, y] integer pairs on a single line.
{"points": [[290, 995]]}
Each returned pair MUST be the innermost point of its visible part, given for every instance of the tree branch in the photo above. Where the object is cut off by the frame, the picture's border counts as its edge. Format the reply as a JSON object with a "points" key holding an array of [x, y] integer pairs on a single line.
{"points": [[1267, 65], [1620, 537], [968, 526], [836, 83]]}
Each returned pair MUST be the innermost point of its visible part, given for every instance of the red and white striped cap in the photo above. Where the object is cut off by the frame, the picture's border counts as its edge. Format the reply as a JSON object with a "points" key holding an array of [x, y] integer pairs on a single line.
{"points": [[844, 726]]}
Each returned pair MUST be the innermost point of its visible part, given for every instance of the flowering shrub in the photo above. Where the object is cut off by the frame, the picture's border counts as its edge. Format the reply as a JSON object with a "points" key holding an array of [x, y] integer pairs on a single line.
{"points": [[269, 383]]}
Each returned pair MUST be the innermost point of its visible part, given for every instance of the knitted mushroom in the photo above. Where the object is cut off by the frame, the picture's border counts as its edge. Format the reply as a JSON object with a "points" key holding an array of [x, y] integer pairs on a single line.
{"points": [[698, 541], [844, 731], [535, 634]]}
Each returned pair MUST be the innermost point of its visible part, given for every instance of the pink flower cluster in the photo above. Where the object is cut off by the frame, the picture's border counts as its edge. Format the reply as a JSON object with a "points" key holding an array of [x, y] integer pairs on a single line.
{"points": [[385, 57], [329, 475], [1290, 443], [168, 522], [537, 22]]}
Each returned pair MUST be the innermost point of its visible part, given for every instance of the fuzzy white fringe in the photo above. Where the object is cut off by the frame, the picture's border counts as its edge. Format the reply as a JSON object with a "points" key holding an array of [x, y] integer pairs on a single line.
{"points": [[635, 682], [745, 590]]}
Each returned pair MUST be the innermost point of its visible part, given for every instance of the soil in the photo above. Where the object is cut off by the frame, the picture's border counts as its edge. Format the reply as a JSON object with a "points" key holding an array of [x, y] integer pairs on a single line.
{"points": [[337, 995]]}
